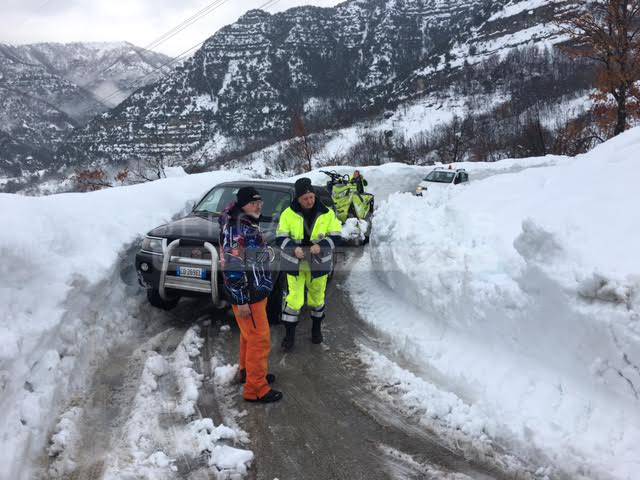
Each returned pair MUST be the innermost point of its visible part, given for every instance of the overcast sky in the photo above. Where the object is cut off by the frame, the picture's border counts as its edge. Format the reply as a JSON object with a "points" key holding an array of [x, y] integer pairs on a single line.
{"points": [[137, 21]]}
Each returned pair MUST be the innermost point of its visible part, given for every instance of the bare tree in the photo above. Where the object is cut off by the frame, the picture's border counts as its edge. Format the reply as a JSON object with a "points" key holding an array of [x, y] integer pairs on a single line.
{"points": [[451, 141], [608, 32], [577, 135], [151, 167], [91, 180], [533, 136], [122, 176], [97, 179], [301, 139]]}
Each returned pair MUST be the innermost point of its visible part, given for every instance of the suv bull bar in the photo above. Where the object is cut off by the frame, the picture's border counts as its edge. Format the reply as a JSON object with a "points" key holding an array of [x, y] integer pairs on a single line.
{"points": [[187, 283]]}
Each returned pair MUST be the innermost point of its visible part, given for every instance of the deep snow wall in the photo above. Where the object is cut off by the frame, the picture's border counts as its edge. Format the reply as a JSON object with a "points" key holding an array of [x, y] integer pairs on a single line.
{"points": [[63, 302], [528, 288]]}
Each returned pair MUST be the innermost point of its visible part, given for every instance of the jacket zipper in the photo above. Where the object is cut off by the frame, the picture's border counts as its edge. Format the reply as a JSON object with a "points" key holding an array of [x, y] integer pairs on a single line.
{"points": [[313, 227]]}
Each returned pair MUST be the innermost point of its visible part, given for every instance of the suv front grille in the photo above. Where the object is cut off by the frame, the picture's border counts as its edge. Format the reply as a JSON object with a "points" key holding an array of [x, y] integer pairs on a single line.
{"points": [[192, 252]]}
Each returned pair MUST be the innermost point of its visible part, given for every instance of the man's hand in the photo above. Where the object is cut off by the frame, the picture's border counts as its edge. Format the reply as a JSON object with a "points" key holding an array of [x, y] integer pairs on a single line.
{"points": [[315, 250], [299, 253], [244, 310]]}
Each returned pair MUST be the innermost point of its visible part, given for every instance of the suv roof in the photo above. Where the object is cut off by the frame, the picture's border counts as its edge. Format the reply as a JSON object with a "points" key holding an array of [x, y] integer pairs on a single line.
{"points": [[265, 183], [322, 192], [450, 169]]}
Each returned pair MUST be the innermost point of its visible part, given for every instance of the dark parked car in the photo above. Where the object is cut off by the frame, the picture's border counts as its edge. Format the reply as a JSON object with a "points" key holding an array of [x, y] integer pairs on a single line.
{"points": [[181, 258]]}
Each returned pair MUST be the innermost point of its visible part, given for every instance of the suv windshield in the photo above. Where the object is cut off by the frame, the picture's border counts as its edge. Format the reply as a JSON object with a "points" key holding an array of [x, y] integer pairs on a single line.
{"points": [[275, 201], [440, 176]]}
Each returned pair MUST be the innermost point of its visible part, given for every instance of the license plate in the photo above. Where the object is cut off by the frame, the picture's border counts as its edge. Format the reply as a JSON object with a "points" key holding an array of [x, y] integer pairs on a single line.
{"points": [[191, 272]]}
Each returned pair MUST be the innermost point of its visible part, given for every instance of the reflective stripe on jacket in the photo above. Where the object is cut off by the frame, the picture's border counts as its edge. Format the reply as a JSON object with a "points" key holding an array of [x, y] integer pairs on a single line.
{"points": [[325, 233]]}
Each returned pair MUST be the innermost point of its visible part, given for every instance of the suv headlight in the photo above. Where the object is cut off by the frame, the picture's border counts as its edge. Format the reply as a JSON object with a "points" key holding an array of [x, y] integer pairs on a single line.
{"points": [[152, 244]]}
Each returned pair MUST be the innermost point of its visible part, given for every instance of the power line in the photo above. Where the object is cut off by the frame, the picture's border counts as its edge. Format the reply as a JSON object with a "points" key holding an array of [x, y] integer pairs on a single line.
{"points": [[186, 23], [173, 31], [265, 5], [206, 11], [268, 4], [140, 80]]}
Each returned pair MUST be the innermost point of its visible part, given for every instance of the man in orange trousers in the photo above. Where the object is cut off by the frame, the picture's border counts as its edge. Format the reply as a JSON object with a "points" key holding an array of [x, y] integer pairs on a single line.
{"points": [[247, 278]]}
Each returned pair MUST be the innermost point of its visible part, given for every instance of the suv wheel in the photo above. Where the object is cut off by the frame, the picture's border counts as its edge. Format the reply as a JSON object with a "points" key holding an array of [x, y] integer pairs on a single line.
{"points": [[156, 300]]}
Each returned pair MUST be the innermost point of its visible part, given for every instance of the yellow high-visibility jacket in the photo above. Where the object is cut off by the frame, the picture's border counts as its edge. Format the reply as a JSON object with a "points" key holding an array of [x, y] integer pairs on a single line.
{"points": [[325, 233]]}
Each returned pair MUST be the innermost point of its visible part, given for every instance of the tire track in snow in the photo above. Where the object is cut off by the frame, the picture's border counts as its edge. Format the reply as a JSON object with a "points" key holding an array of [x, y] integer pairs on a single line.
{"points": [[330, 424]]}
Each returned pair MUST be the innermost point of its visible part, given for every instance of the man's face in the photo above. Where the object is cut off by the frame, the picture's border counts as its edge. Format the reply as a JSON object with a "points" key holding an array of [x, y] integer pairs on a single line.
{"points": [[307, 201], [253, 209]]}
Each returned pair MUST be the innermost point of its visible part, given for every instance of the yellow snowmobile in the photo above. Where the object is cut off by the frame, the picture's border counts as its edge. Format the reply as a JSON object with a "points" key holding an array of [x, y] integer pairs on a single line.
{"points": [[353, 209]]}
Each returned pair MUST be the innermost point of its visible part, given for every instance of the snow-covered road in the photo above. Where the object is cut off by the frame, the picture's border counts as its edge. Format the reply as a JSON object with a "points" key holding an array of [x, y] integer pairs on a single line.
{"points": [[333, 422], [142, 413], [152, 408]]}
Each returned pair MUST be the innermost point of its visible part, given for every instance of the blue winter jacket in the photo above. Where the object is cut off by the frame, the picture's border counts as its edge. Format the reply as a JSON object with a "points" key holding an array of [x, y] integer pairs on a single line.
{"points": [[244, 258]]}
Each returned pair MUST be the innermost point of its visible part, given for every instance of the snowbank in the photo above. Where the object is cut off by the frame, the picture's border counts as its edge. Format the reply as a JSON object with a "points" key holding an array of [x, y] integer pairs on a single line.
{"points": [[151, 449], [50, 247], [384, 180], [526, 293], [391, 178]]}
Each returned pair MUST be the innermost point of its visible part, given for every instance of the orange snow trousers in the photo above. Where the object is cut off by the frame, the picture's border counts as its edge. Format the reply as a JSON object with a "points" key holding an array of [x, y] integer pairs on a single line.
{"points": [[255, 345]]}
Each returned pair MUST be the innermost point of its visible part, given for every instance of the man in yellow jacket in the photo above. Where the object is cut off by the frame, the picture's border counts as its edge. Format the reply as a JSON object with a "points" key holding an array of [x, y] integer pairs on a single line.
{"points": [[307, 234]]}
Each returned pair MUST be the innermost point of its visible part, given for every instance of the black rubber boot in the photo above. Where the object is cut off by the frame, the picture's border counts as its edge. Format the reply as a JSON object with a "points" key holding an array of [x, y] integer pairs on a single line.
{"points": [[289, 337], [241, 377], [316, 331], [270, 397]]}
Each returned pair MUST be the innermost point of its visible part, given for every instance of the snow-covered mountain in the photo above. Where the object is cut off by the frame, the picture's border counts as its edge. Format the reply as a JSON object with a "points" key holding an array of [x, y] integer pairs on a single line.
{"points": [[48, 89], [336, 64], [106, 70]]}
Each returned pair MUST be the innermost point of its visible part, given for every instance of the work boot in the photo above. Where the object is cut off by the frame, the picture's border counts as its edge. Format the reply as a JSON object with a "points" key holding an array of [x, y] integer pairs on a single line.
{"points": [[316, 331], [270, 397], [241, 377], [289, 337]]}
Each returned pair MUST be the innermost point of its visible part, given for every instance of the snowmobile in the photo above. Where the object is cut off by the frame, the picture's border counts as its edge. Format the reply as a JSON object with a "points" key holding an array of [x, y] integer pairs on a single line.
{"points": [[353, 209]]}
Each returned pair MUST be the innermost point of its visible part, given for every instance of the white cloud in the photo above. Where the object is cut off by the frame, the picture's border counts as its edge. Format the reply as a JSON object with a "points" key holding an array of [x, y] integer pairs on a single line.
{"points": [[137, 21]]}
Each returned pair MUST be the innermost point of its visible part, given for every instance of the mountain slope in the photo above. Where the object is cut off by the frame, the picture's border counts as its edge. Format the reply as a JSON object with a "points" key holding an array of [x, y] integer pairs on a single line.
{"points": [[103, 69], [48, 89], [516, 24], [335, 64], [247, 79]]}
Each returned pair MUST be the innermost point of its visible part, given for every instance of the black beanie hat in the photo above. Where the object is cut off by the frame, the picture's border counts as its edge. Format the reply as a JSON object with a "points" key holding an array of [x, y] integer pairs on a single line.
{"points": [[303, 185], [246, 195]]}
